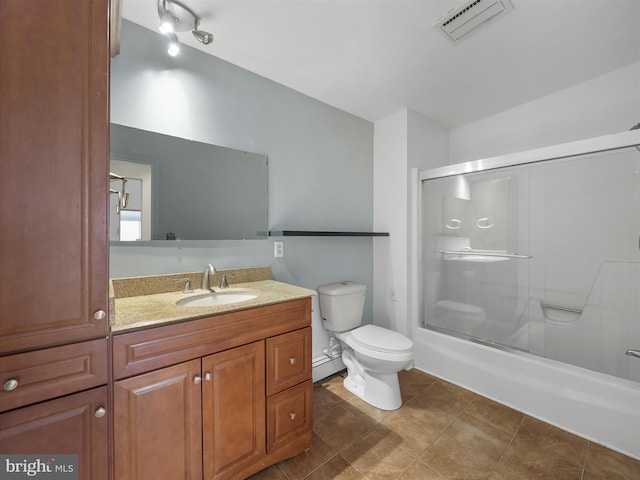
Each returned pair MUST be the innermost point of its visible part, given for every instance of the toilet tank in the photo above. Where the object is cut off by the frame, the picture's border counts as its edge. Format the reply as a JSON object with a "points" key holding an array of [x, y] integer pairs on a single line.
{"points": [[342, 305]]}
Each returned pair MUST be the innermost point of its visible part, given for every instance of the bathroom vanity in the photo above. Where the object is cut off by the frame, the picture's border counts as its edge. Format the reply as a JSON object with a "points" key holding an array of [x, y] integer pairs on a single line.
{"points": [[221, 396]]}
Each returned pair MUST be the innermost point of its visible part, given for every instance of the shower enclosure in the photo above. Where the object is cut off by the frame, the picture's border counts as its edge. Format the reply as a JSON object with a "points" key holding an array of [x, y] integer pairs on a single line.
{"points": [[538, 254]]}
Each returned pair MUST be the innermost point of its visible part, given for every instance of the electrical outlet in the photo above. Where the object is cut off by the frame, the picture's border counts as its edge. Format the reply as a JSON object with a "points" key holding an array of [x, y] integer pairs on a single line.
{"points": [[278, 249], [393, 295]]}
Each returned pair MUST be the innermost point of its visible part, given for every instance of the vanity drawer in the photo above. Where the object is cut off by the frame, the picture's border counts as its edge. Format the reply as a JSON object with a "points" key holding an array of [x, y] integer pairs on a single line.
{"points": [[31, 377], [289, 415], [288, 360]]}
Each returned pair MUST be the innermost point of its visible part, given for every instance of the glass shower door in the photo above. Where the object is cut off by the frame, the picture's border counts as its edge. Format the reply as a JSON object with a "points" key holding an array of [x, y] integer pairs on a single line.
{"points": [[590, 279], [541, 257], [476, 239]]}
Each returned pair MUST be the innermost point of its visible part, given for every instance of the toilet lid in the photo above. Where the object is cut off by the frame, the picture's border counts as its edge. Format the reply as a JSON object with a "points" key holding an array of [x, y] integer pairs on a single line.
{"points": [[381, 339]]}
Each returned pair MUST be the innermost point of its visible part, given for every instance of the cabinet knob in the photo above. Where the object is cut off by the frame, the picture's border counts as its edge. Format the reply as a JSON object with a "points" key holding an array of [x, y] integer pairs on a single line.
{"points": [[208, 376], [100, 412], [10, 384], [99, 314], [292, 360], [292, 415], [197, 379]]}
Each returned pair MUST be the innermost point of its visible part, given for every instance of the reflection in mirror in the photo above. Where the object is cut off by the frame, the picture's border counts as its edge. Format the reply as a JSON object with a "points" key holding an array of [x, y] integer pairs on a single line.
{"points": [[127, 223], [182, 189]]}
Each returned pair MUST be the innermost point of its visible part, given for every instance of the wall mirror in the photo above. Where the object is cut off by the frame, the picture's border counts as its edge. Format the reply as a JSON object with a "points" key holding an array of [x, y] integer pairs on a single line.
{"points": [[181, 189]]}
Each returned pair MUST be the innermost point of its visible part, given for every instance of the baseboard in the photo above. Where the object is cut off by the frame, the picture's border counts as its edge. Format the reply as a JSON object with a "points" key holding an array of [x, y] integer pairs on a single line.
{"points": [[323, 367]]}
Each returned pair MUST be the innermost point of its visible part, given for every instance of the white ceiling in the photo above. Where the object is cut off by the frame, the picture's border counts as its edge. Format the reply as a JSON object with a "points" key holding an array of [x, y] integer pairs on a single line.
{"points": [[374, 57]]}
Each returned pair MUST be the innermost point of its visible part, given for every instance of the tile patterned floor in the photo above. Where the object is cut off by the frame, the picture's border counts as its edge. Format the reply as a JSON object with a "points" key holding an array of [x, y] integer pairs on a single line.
{"points": [[441, 432]]}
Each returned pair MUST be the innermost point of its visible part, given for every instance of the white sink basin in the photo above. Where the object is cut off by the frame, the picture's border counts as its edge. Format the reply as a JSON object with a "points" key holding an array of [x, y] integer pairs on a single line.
{"points": [[216, 298]]}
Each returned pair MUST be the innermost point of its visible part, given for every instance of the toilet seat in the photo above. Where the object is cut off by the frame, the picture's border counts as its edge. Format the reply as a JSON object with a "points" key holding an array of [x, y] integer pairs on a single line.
{"points": [[380, 343], [382, 339]]}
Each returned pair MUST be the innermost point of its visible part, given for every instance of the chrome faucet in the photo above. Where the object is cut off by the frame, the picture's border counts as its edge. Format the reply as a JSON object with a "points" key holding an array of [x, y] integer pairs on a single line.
{"points": [[209, 270]]}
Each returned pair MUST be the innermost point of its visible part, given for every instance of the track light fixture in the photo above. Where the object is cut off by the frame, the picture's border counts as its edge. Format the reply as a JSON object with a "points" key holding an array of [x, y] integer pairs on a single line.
{"points": [[203, 37], [175, 16]]}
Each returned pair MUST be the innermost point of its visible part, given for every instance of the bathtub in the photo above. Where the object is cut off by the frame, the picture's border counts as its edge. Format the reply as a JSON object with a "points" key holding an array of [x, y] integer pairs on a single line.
{"points": [[601, 408]]}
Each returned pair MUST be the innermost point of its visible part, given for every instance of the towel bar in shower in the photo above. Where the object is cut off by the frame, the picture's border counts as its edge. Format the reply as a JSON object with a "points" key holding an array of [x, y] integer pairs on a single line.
{"points": [[562, 309], [484, 254]]}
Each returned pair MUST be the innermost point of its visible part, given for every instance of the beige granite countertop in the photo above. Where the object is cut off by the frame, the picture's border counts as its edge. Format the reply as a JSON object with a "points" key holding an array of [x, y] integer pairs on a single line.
{"points": [[143, 311]]}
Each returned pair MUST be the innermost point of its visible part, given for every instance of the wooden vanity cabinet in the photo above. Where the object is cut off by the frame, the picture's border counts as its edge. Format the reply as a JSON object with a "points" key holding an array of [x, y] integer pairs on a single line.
{"points": [[289, 388], [158, 424], [233, 410], [167, 419], [210, 415]]}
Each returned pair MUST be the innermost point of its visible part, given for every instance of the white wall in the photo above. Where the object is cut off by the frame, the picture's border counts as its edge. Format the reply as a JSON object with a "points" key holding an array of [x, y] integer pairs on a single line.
{"points": [[390, 207], [428, 147], [320, 162], [606, 104], [402, 141]]}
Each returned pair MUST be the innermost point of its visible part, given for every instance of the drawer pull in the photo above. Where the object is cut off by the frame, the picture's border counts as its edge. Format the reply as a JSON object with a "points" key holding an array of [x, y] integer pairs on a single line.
{"points": [[99, 314], [208, 376], [292, 360], [10, 384], [100, 412], [197, 379], [292, 415]]}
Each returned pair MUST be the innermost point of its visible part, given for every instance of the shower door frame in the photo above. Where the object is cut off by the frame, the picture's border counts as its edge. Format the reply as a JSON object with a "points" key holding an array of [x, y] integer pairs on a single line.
{"points": [[601, 144]]}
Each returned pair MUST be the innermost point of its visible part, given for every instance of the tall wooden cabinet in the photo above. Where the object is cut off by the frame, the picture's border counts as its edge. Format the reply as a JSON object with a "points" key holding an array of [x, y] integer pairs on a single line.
{"points": [[54, 101], [54, 111]]}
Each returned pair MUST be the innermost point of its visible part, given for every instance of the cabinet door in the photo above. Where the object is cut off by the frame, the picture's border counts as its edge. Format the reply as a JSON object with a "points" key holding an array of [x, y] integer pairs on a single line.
{"points": [[233, 410], [72, 425], [158, 425], [54, 102]]}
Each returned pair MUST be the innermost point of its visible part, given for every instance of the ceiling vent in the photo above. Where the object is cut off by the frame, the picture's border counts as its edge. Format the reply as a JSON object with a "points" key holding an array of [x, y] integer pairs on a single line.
{"points": [[469, 16]]}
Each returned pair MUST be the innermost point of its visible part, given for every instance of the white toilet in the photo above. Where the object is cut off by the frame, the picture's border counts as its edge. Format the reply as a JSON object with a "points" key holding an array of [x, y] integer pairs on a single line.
{"points": [[373, 355]]}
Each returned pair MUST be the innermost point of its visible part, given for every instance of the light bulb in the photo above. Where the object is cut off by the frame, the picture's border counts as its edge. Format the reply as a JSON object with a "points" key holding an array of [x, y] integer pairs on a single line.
{"points": [[166, 27], [174, 46], [167, 22]]}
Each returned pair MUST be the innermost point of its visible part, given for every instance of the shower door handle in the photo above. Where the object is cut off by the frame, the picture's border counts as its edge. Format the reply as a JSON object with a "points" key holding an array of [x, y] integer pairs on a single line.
{"points": [[483, 223], [633, 353], [455, 224]]}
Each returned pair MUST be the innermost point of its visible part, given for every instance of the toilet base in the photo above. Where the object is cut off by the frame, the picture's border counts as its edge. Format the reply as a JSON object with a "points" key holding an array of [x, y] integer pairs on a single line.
{"points": [[381, 390], [382, 393]]}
